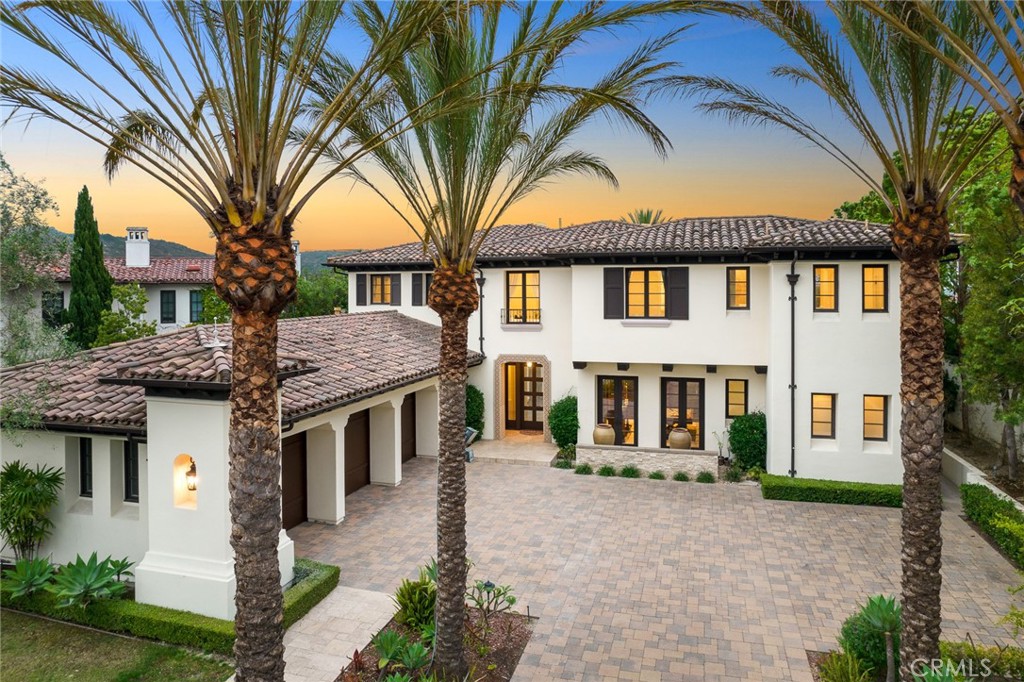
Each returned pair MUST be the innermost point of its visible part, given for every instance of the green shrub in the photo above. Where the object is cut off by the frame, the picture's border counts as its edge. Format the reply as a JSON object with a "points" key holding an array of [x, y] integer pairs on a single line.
{"points": [[705, 477], [681, 476], [301, 597], [82, 582], [26, 496], [567, 452], [998, 517], [657, 475], [629, 471], [584, 469], [27, 577], [860, 638], [390, 645], [1007, 662], [842, 667], [560, 463], [415, 600], [564, 420], [606, 470], [755, 473], [415, 656], [834, 492], [748, 440], [474, 408], [734, 474]]}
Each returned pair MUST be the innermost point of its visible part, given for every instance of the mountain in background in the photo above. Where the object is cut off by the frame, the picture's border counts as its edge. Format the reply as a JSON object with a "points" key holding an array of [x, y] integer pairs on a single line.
{"points": [[313, 261]]}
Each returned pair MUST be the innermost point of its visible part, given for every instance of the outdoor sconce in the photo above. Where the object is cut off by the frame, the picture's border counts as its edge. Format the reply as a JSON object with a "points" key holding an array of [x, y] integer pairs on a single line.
{"points": [[190, 475]]}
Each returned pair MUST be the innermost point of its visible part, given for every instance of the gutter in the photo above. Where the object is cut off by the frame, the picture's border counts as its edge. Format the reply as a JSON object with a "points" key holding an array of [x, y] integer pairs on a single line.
{"points": [[792, 278]]}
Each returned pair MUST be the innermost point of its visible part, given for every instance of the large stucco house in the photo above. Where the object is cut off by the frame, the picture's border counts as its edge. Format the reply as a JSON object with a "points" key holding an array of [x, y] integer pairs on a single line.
{"points": [[128, 421], [690, 322]]}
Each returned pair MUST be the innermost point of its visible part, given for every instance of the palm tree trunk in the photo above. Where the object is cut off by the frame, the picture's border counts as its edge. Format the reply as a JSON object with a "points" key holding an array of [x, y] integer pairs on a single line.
{"points": [[255, 274], [454, 296], [920, 241]]}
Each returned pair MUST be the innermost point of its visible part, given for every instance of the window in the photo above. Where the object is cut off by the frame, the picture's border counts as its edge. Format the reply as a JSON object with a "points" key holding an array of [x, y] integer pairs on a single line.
{"points": [[85, 467], [682, 403], [522, 297], [735, 397], [826, 288], [380, 289], [168, 307], [131, 471], [645, 293], [616, 406], [195, 305], [737, 292], [421, 288], [823, 415], [876, 417], [53, 308], [876, 290]]}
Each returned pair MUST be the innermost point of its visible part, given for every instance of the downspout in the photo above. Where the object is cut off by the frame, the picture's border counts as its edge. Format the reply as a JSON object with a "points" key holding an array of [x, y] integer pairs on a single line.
{"points": [[481, 280], [792, 278]]}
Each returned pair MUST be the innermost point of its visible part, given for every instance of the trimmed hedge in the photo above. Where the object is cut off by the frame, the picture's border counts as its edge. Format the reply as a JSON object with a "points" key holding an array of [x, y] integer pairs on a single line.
{"points": [[179, 627], [1007, 662], [998, 517], [834, 492]]}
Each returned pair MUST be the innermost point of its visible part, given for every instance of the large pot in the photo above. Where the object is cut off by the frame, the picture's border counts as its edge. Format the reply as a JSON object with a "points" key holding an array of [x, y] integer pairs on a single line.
{"points": [[680, 439], [604, 434]]}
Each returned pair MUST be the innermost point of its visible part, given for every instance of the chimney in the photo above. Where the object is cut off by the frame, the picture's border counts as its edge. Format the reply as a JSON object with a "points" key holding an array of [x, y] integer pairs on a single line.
{"points": [[136, 247], [298, 257]]}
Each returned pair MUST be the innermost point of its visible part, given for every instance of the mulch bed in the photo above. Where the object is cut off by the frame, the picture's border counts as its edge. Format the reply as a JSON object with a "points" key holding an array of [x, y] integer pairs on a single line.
{"points": [[815, 659], [493, 660]]}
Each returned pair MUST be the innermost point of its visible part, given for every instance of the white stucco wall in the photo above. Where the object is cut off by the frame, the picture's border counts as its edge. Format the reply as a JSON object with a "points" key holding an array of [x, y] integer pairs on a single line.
{"points": [[181, 308]]}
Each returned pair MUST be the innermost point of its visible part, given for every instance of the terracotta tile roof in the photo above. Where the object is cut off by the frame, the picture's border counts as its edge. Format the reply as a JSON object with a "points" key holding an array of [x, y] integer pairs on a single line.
{"points": [[328, 360], [160, 271], [685, 236]]}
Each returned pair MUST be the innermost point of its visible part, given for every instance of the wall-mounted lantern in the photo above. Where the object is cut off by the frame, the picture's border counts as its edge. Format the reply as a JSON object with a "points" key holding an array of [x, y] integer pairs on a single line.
{"points": [[190, 475]]}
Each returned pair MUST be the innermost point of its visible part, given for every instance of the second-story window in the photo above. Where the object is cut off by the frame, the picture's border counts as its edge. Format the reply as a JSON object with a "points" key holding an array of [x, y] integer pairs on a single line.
{"points": [[522, 297], [876, 290], [195, 305], [53, 308], [380, 289], [168, 307], [645, 293], [826, 288], [737, 288]]}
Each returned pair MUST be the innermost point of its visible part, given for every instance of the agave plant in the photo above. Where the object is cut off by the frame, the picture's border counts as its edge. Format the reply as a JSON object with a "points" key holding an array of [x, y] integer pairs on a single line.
{"points": [[82, 582], [27, 577], [883, 615]]}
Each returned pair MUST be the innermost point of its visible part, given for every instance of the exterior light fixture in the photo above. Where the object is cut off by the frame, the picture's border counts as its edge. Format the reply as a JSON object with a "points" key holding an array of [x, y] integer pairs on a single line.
{"points": [[190, 475]]}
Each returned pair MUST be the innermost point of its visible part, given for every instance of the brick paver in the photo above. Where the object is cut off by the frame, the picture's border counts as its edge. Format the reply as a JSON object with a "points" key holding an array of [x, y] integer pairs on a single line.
{"points": [[659, 580]]}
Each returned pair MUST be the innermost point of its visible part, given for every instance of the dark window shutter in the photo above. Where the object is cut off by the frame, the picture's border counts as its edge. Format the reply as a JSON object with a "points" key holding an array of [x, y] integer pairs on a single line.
{"points": [[417, 288], [678, 293], [361, 289], [396, 289], [426, 288], [614, 296]]}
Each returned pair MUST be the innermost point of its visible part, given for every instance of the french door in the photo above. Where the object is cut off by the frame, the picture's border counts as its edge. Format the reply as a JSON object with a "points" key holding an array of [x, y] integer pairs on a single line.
{"points": [[682, 405], [524, 396], [616, 406]]}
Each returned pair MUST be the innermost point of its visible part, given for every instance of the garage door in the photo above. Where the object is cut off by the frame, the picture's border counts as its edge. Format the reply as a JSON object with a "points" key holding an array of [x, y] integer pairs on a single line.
{"points": [[293, 481], [409, 427], [357, 452]]}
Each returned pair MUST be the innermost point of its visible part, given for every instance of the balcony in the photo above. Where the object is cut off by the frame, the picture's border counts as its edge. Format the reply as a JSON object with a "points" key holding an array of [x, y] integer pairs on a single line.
{"points": [[520, 319]]}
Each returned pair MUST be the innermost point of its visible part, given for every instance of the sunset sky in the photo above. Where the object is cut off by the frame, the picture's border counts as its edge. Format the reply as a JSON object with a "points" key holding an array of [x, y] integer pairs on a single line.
{"points": [[715, 168]]}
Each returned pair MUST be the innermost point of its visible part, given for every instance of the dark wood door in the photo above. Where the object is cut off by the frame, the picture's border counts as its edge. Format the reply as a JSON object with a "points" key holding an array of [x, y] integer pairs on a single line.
{"points": [[409, 427], [357, 452], [293, 481], [524, 396]]}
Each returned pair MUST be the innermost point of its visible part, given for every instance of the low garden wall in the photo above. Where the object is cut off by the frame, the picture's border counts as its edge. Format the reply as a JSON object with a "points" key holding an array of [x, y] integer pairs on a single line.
{"points": [[649, 459]]}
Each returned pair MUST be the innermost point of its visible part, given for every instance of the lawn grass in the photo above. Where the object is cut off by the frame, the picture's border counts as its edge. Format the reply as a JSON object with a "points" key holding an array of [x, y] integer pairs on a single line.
{"points": [[38, 650]]}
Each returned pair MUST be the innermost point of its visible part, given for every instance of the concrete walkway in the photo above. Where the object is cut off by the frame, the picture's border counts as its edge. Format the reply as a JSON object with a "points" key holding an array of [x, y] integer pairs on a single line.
{"points": [[659, 580], [516, 448]]}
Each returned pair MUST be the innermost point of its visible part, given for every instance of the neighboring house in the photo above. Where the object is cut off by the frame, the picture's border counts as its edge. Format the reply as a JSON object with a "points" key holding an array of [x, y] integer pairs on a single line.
{"points": [[173, 285], [128, 421], [687, 323]]}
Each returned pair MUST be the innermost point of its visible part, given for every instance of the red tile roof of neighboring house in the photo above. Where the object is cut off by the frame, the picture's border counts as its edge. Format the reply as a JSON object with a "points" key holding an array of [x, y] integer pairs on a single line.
{"points": [[182, 270], [325, 362]]}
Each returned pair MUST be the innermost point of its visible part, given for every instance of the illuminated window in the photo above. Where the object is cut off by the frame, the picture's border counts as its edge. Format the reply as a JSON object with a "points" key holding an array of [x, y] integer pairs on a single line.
{"points": [[876, 417], [645, 293], [616, 406], [876, 296], [823, 415], [735, 397], [826, 288], [737, 288], [380, 289], [522, 297]]}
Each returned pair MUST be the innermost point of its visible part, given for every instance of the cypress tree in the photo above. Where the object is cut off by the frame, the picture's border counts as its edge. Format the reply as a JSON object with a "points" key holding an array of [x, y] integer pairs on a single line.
{"points": [[91, 284]]}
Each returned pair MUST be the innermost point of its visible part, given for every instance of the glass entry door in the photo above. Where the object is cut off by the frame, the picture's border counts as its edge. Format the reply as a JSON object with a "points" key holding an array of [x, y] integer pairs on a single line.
{"points": [[616, 406], [524, 396], [682, 404]]}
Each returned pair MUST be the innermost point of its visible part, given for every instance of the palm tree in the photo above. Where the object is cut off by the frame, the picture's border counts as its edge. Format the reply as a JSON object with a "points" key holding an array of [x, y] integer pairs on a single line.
{"points": [[909, 93], [985, 48], [457, 175], [645, 216], [203, 98]]}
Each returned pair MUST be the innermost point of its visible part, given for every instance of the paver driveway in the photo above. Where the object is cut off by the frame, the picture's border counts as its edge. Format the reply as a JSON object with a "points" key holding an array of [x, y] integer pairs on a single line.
{"points": [[659, 580]]}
